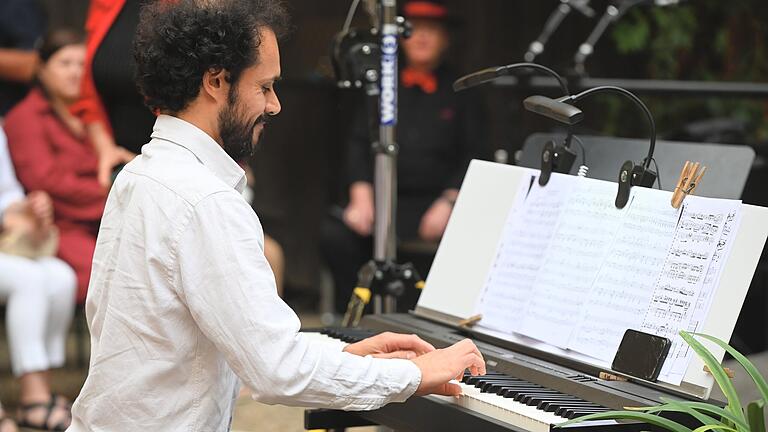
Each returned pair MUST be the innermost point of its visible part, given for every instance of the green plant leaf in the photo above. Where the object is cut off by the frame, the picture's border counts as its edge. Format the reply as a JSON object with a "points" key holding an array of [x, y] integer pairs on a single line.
{"points": [[748, 366], [712, 409], [734, 404], [713, 427], [631, 415], [755, 416]]}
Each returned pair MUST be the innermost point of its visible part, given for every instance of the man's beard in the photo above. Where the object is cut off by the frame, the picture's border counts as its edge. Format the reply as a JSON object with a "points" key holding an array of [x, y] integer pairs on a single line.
{"points": [[235, 130]]}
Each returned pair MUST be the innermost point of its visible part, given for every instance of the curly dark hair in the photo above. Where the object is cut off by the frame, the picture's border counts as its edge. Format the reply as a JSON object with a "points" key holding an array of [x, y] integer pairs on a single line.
{"points": [[178, 41]]}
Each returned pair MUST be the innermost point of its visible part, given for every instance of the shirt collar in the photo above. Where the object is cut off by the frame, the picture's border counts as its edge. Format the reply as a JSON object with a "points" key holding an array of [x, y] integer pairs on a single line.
{"points": [[205, 148]]}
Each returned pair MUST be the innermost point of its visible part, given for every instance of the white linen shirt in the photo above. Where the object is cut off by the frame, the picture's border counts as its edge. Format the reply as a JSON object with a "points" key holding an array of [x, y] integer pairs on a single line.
{"points": [[182, 302]]}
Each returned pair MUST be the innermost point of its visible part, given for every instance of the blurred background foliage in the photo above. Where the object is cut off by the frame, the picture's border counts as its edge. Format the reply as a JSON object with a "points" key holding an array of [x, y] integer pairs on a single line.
{"points": [[712, 40]]}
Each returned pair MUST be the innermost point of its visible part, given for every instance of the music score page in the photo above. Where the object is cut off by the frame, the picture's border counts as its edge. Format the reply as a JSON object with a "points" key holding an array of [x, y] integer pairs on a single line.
{"points": [[573, 271]]}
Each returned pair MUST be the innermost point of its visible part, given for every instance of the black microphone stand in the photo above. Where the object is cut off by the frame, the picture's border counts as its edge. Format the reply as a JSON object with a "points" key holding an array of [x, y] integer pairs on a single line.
{"points": [[382, 279], [553, 22], [611, 15]]}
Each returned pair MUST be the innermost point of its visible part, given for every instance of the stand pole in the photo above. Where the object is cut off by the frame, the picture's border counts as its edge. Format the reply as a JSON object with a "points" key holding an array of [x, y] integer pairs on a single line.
{"points": [[385, 171]]}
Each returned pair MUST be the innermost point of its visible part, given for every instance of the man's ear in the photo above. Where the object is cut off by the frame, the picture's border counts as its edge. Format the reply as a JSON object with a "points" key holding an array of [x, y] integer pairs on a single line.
{"points": [[216, 84]]}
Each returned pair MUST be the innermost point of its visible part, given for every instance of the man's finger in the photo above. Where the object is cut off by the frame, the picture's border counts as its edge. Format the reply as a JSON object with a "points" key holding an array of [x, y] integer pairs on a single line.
{"points": [[401, 354], [413, 343], [448, 389]]}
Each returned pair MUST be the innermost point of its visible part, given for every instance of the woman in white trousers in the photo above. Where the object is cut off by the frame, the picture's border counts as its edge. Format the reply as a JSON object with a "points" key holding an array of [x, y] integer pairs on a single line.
{"points": [[39, 295]]}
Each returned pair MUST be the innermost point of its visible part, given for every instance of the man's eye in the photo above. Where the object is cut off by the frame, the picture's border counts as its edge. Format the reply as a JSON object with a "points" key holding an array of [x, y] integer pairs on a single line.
{"points": [[266, 89]]}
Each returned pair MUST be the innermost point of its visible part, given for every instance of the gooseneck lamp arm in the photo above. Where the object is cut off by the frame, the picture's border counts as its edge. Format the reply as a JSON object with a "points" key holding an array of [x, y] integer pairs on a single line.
{"points": [[487, 75], [631, 96]]}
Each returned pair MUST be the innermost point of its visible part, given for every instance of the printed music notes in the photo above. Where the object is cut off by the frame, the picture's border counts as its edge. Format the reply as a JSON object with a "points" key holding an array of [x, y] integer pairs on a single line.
{"points": [[574, 272], [683, 293]]}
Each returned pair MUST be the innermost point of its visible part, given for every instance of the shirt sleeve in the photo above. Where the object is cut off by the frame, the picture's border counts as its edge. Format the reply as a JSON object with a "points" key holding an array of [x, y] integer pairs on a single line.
{"points": [[230, 291], [10, 189]]}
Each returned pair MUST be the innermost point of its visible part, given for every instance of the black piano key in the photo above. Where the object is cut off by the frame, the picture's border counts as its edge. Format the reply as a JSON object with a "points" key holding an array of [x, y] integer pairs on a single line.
{"points": [[578, 413], [569, 413], [498, 387], [528, 394], [561, 400], [486, 385], [512, 392], [551, 405], [561, 410]]}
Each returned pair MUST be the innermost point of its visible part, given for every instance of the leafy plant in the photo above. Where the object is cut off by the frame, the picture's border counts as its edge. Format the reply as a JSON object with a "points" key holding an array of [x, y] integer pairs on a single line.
{"points": [[733, 418]]}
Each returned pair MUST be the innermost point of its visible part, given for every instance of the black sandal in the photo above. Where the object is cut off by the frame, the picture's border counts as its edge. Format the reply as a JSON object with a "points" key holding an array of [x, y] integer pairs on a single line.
{"points": [[45, 425]]}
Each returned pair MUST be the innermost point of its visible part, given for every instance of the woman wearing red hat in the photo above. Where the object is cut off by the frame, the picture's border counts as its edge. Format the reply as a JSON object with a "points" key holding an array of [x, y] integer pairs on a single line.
{"points": [[438, 132]]}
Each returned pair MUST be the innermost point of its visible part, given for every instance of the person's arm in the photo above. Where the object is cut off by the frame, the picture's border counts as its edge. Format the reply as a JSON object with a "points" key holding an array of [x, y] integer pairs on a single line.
{"points": [[17, 65], [109, 153], [37, 168], [359, 213], [89, 106], [228, 286]]}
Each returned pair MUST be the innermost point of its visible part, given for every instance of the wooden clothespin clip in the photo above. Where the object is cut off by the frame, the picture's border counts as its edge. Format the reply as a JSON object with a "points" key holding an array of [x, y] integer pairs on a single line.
{"points": [[471, 321], [606, 376], [690, 178], [728, 371]]}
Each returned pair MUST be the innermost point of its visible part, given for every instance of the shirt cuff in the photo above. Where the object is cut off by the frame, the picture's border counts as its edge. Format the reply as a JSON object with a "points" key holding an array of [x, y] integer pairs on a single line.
{"points": [[405, 375]]}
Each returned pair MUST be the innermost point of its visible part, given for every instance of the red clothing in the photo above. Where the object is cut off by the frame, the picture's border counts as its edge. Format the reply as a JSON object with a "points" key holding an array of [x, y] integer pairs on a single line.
{"points": [[49, 157], [101, 15]]}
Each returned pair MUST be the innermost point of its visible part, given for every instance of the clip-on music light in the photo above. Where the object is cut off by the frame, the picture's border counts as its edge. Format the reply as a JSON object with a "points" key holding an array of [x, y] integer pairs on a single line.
{"points": [[554, 158], [368, 59], [561, 110]]}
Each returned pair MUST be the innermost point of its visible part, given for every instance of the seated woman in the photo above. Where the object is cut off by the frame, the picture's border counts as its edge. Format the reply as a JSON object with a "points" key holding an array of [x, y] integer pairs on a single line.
{"points": [[39, 294], [51, 153]]}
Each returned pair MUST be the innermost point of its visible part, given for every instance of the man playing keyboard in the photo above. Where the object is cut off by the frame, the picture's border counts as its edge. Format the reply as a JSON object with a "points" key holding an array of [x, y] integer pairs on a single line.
{"points": [[182, 304]]}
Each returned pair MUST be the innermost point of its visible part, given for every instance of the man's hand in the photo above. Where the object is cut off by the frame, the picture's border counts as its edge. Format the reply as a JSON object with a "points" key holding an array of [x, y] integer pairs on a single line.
{"points": [[440, 366], [435, 220], [108, 160], [391, 345]]}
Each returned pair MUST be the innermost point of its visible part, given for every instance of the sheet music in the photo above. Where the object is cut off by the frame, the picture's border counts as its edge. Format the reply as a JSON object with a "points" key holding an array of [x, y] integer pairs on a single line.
{"points": [[584, 234], [527, 233], [684, 293], [626, 280], [574, 272]]}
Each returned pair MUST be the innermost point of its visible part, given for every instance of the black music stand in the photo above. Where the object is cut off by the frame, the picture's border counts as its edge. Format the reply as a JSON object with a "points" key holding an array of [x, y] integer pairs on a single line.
{"points": [[728, 165]]}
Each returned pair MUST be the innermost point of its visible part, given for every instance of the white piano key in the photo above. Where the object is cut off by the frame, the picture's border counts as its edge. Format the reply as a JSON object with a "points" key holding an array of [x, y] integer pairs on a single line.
{"points": [[492, 405], [504, 409]]}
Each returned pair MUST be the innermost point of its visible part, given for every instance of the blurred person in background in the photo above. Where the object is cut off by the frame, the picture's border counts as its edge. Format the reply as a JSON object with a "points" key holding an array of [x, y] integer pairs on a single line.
{"points": [[39, 292], [438, 133], [51, 152]]}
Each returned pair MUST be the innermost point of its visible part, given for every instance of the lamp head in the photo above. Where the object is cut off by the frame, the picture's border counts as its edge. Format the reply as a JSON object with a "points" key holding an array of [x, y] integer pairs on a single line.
{"points": [[556, 109]]}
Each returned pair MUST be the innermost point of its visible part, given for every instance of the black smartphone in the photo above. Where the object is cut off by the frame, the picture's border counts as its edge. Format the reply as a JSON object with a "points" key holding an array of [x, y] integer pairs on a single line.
{"points": [[641, 355]]}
